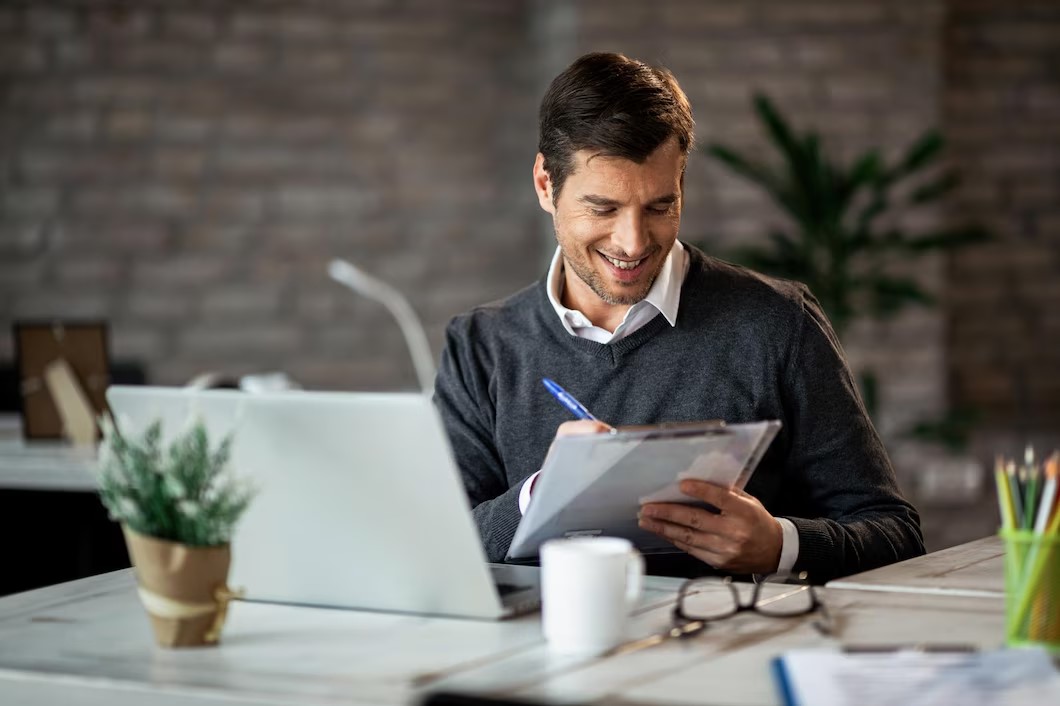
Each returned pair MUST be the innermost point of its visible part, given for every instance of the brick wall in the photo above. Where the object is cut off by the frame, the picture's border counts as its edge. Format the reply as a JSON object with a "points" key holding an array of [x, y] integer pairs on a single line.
{"points": [[864, 74], [186, 170], [1002, 106]]}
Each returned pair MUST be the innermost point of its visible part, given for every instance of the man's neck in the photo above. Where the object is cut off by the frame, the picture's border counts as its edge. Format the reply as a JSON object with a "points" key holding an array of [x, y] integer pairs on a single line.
{"points": [[579, 296]]}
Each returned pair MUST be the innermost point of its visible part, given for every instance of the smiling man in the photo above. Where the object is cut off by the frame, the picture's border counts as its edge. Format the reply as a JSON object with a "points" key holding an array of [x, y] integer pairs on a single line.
{"points": [[644, 329]]}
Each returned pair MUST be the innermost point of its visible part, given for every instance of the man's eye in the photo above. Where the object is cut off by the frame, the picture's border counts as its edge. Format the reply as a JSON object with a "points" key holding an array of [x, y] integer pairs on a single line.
{"points": [[602, 211], [660, 210]]}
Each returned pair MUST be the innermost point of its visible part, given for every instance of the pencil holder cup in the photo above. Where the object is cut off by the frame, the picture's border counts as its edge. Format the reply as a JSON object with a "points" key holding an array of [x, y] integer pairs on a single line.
{"points": [[1032, 589]]}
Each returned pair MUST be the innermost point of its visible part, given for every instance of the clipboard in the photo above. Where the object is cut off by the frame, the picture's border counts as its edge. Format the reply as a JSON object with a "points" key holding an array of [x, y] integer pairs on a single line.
{"points": [[594, 484]]}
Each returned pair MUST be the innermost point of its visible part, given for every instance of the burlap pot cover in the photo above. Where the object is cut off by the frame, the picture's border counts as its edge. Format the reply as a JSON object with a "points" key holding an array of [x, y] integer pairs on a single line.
{"points": [[184, 589]]}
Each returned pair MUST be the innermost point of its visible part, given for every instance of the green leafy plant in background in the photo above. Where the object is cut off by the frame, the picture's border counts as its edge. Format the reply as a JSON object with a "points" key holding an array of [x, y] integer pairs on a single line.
{"points": [[181, 493], [952, 430], [839, 244], [842, 241]]}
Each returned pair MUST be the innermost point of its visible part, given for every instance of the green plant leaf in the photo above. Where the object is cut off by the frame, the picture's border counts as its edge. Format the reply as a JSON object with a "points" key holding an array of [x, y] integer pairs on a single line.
{"points": [[889, 295], [864, 171], [182, 493], [953, 429], [806, 198], [838, 243], [876, 207], [767, 262], [922, 152], [786, 245], [935, 189], [778, 129], [815, 178], [884, 241], [744, 166], [947, 239], [759, 174]]}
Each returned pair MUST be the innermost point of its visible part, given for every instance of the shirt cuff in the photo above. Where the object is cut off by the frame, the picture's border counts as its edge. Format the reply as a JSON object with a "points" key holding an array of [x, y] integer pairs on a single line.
{"points": [[524, 498], [789, 550]]}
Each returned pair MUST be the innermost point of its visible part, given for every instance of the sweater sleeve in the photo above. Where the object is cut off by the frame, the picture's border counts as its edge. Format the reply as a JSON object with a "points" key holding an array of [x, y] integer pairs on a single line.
{"points": [[461, 394], [858, 519]]}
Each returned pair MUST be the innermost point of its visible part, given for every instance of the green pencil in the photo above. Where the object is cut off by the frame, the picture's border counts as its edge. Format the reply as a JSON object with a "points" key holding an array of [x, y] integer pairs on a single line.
{"points": [[1030, 503], [1017, 496], [1029, 485]]}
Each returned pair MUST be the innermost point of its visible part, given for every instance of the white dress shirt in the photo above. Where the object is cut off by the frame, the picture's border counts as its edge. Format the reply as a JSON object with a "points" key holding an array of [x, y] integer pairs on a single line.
{"points": [[663, 298]]}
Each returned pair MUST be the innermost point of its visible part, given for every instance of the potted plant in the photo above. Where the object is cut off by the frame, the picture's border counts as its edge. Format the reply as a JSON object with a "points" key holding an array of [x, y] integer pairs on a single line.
{"points": [[842, 240], [178, 507], [845, 241]]}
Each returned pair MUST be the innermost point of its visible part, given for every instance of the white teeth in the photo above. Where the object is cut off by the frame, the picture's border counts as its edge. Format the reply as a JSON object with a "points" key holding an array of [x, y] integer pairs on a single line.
{"points": [[623, 265]]}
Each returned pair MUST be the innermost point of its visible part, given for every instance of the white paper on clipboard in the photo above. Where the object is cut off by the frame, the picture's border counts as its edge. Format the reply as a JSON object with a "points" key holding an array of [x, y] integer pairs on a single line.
{"points": [[594, 484]]}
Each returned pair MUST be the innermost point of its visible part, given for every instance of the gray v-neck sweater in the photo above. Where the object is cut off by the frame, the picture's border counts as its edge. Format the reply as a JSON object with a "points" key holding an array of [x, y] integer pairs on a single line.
{"points": [[745, 347]]}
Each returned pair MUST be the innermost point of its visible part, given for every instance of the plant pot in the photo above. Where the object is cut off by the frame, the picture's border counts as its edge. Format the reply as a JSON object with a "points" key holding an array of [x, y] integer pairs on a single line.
{"points": [[184, 589]]}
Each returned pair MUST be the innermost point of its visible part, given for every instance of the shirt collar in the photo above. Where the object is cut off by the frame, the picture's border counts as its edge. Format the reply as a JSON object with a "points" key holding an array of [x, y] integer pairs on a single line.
{"points": [[664, 295]]}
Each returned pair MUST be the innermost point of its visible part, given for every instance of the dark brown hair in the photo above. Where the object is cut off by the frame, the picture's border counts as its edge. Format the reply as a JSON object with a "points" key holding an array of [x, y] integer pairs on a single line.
{"points": [[617, 106]]}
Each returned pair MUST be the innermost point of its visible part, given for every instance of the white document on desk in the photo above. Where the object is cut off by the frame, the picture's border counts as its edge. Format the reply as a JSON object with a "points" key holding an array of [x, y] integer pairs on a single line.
{"points": [[595, 484], [916, 678]]}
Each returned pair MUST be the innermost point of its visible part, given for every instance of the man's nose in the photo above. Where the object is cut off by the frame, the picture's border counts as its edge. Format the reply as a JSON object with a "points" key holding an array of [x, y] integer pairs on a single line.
{"points": [[631, 234]]}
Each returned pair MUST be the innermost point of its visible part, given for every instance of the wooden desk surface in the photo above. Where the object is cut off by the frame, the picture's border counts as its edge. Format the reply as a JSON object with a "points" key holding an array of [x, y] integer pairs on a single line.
{"points": [[972, 569], [90, 638]]}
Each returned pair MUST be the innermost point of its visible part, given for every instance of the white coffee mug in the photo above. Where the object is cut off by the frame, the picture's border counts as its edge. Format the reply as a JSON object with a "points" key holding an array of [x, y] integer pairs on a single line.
{"points": [[588, 587]]}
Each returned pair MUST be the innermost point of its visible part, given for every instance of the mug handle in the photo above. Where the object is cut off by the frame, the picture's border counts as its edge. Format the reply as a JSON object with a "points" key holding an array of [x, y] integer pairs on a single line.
{"points": [[634, 578]]}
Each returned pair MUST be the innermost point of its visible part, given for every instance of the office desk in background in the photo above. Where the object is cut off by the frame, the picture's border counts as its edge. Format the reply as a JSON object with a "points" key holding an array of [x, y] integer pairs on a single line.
{"points": [[90, 639], [54, 526], [42, 465]]}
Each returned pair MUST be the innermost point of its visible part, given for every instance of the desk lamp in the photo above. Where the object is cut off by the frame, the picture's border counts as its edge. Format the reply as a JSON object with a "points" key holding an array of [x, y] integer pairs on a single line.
{"points": [[356, 279]]}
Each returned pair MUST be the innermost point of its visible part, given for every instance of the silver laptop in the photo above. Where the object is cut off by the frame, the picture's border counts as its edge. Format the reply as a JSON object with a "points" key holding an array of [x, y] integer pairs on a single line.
{"points": [[359, 504]]}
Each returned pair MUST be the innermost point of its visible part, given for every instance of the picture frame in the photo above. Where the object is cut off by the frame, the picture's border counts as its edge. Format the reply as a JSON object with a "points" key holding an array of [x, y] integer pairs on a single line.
{"points": [[83, 349]]}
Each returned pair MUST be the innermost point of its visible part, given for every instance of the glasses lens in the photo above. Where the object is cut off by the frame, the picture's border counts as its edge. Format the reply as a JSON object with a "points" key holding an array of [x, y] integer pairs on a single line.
{"points": [[783, 600], [707, 599]]}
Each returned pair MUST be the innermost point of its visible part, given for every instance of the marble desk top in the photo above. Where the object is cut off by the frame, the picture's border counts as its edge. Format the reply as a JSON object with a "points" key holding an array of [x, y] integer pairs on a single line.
{"points": [[972, 569], [91, 638]]}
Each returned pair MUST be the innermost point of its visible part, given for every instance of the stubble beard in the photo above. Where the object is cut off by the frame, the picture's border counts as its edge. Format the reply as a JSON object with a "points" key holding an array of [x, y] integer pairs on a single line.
{"points": [[592, 279]]}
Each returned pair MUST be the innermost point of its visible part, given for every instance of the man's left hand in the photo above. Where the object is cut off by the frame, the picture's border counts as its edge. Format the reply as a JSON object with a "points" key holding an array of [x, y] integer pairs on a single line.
{"points": [[743, 539]]}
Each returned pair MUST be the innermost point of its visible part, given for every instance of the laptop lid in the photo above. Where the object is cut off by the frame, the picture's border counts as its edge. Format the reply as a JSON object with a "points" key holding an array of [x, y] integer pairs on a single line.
{"points": [[359, 502]]}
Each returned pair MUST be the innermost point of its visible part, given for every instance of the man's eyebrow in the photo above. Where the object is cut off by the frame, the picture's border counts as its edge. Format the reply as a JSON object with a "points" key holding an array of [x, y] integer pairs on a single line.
{"points": [[599, 200], [604, 201]]}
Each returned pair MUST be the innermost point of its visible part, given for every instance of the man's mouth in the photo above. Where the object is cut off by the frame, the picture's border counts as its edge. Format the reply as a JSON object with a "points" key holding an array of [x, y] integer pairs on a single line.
{"points": [[624, 264]]}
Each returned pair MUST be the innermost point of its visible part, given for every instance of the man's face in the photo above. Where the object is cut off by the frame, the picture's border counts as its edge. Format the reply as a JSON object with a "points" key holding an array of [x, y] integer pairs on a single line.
{"points": [[615, 222]]}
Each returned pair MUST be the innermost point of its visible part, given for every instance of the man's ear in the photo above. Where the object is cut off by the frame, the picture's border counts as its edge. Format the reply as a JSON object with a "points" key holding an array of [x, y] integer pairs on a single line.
{"points": [[543, 185]]}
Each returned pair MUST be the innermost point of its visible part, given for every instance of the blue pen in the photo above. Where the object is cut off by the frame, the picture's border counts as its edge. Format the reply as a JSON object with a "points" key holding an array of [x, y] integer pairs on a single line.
{"points": [[567, 400]]}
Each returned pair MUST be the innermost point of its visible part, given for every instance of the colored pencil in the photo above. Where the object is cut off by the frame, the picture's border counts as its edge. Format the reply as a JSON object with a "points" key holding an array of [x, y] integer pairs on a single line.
{"points": [[1036, 568], [1014, 491], [1048, 497], [1004, 497], [1029, 475]]}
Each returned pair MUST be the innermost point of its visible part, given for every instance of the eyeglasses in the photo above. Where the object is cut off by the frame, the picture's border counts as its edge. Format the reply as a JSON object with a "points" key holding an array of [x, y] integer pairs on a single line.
{"points": [[705, 600]]}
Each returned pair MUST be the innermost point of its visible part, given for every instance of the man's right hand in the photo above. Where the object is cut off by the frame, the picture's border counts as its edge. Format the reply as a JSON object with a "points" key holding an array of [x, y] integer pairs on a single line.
{"points": [[581, 426]]}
